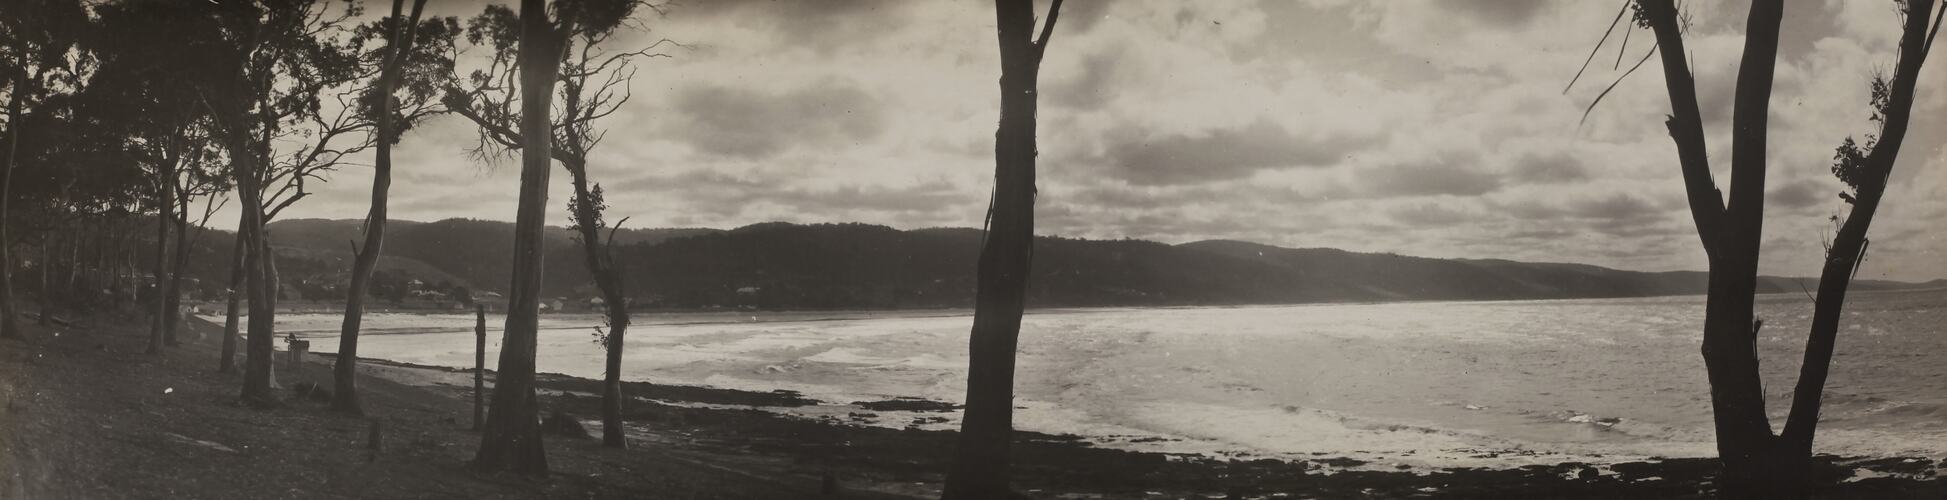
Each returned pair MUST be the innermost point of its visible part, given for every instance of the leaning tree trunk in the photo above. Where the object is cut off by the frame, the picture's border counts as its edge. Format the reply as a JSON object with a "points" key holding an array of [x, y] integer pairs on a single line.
{"points": [[608, 278], [512, 438], [238, 259], [164, 218], [1849, 246], [980, 467], [345, 369]]}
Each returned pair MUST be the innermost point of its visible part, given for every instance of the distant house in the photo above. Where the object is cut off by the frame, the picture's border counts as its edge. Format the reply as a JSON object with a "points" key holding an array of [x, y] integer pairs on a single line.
{"points": [[492, 300], [749, 290]]}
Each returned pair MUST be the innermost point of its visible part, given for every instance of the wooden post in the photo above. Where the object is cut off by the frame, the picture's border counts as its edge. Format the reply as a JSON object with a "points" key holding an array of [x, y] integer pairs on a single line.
{"points": [[298, 349], [479, 359]]}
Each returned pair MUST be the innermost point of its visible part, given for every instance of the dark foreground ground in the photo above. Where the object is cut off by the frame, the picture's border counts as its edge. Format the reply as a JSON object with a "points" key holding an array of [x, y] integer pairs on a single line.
{"points": [[84, 414]]}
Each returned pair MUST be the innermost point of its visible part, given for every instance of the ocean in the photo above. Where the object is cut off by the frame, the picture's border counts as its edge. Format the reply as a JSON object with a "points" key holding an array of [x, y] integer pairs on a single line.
{"points": [[1421, 384]]}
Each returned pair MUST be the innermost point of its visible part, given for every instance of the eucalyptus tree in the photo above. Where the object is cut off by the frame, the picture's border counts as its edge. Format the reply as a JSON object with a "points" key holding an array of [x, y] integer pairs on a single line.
{"points": [[1758, 463], [980, 466], [412, 58], [147, 96], [594, 82], [37, 39], [285, 71], [511, 438]]}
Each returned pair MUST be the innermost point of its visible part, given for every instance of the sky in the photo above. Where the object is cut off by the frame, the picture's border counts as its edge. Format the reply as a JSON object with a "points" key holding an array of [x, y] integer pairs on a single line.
{"points": [[1424, 128]]}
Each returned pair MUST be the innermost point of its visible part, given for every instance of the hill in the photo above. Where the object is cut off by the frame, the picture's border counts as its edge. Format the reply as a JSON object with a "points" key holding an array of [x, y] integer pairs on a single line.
{"points": [[825, 266]]}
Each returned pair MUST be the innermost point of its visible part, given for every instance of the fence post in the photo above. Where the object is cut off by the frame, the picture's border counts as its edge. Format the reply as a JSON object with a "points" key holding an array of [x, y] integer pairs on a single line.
{"points": [[479, 359]]}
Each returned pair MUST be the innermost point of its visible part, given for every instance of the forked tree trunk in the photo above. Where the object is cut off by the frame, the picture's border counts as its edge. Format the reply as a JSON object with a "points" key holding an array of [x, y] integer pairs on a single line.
{"points": [[980, 466], [1756, 462], [345, 369], [512, 438]]}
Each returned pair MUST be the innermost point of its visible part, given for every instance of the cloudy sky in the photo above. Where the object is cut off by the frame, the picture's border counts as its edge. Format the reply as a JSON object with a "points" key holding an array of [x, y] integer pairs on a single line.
{"points": [[1421, 128]]}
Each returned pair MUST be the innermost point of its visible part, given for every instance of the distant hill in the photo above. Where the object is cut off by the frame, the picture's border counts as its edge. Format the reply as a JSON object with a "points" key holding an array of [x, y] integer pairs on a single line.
{"points": [[822, 266]]}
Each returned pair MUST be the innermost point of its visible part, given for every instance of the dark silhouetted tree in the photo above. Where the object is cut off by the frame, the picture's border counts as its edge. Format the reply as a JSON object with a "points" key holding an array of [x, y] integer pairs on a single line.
{"points": [[980, 466], [1758, 463]]}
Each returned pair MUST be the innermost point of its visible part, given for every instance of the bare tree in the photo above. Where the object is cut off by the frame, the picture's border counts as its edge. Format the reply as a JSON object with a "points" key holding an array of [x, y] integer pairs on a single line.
{"points": [[1758, 463], [512, 438], [980, 467]]}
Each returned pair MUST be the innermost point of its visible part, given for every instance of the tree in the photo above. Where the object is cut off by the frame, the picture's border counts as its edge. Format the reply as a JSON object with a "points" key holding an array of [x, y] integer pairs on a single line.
{"points": [[594, 83], [391, 115], [1758, 463], [511, 439], [276, 62], [35, 38], [980, 466]]}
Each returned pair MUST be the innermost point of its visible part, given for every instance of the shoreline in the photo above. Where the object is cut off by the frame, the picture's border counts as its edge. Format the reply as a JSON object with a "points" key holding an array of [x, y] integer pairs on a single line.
{"points": [[328, 307], [892, 459], [86, 415]]}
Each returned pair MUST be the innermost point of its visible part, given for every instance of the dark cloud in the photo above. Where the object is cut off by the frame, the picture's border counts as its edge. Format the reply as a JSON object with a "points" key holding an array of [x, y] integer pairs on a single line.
{"points": [[749, 124], [1094, 87], [1428, 215], [1450, 177], [1146, 159], [822, 26], [1800, 194], [1080, 15], [725, 194], [1504, 14], [1554, 168], [1616, 208]]}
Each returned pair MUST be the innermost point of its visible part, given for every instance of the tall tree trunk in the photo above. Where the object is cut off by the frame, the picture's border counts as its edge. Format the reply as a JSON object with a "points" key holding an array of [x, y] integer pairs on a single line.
{"points": [[980, 468], [512, 438], [345, 369], [9, 326], [238, 259], [164, 218], [47, 292], [173, 296], [260, 332]]}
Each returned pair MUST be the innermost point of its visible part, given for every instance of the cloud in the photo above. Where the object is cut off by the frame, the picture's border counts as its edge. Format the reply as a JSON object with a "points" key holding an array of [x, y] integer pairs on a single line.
{"points": [[1145, 158], [1554, 168], [1800, 194], [751, 124], [1094, 87], [1499, 14], [1449, 176], [823, 26]]}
